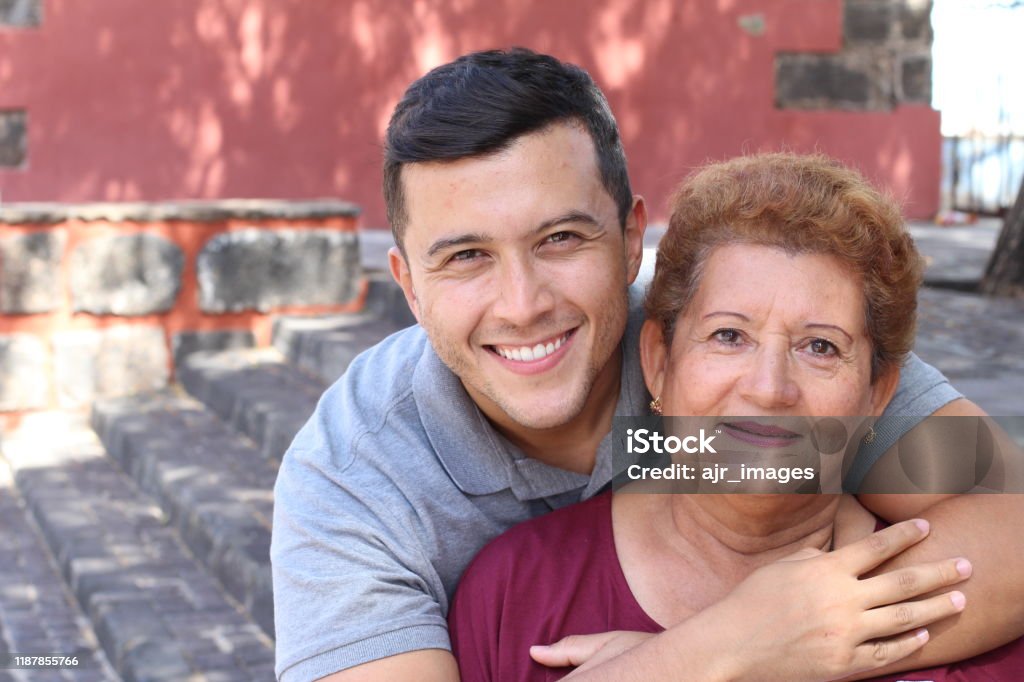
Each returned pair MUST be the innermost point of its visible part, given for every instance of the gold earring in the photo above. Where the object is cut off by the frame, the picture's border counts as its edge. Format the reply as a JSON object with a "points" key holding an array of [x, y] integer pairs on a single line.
{"points": [[656, 406], [869, 437]]}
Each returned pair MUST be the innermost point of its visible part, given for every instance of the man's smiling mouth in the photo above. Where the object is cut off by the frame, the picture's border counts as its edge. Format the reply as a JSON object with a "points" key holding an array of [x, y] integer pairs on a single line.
{"points": [[538, 351]]}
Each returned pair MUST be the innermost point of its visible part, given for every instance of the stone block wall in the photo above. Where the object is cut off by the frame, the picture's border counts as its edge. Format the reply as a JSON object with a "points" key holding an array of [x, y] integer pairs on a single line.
{"points": [[101, 300], [885, 61]]}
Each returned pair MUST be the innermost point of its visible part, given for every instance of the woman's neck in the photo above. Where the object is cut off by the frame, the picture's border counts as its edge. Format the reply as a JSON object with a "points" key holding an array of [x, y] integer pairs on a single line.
{"points": [[682, 553], [745, 530]]}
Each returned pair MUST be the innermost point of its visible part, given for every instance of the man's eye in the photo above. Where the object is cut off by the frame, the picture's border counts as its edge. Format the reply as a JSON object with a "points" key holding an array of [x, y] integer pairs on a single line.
{"points": [[467, 255], [558, 237], [822, 347], [730, 337]]}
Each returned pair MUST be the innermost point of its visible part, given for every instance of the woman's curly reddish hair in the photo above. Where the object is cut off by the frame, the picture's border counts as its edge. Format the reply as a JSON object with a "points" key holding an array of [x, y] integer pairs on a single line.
{"points": [[802, 205]]}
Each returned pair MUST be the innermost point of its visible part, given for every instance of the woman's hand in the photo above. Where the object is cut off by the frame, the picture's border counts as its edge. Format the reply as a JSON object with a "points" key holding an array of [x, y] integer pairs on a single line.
{"points": [[586, 651], [807, 617]]}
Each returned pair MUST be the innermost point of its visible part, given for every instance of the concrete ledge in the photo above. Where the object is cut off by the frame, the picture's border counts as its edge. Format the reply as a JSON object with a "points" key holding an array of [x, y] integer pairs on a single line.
{"points": [[41, 213]]}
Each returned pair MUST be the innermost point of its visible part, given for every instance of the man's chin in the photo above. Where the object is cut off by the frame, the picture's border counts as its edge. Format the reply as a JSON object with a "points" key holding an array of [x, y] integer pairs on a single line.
{"points": [[540, 422], [539, 417]]}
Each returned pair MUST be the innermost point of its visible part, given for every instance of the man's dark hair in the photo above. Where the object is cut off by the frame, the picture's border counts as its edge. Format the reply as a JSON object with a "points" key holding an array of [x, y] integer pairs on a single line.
{"points": [[481, 103]]}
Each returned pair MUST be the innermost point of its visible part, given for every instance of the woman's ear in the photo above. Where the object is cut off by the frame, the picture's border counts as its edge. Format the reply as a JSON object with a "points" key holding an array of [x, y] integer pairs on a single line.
{"points": [[883, 390], [653, 356]]}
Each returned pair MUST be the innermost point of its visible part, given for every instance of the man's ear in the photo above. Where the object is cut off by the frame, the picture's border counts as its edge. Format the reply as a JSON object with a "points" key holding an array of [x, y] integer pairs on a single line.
{"points": [[400, 272], [636, 225], [653, 356], [883, 390]]}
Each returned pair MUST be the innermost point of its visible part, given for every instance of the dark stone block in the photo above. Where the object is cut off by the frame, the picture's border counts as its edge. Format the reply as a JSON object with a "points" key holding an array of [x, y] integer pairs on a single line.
{"points": [[264, 269], [916, 21], [13, 137], [155, 660], [30, 272], [916, 79], [24, 366], [824, 81], [867, 21], [185, 343], [109, 362], [126, 275]]}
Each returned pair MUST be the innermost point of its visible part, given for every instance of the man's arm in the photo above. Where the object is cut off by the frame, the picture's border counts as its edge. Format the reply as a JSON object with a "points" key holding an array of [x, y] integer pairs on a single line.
{"points": [[989, 529], [809, 617], [427, 665], [351, 580]]}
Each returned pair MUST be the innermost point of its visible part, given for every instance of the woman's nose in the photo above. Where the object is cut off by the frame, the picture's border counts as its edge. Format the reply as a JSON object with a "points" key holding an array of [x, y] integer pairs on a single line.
{"points": [[769, 385]]}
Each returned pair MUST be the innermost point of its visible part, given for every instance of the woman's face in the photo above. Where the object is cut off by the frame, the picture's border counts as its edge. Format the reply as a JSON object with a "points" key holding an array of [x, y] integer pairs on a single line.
{"points": [[768, 334]]}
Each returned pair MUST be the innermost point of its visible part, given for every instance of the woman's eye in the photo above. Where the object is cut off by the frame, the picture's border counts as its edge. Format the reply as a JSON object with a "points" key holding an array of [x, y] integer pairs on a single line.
{"points": [[822, 347], [730, 337]]}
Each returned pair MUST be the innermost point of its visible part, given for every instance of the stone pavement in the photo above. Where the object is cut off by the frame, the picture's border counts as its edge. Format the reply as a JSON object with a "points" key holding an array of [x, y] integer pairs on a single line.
{"points": [[977, 341], [138, 537]]}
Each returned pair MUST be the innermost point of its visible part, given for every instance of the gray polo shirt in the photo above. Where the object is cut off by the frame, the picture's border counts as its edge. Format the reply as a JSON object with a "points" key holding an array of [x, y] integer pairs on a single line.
{"points": [[397, 481]]}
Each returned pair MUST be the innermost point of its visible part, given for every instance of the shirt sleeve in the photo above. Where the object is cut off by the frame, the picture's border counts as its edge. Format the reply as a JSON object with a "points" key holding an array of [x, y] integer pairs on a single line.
{"points": [[921, 391], [352, 583]]}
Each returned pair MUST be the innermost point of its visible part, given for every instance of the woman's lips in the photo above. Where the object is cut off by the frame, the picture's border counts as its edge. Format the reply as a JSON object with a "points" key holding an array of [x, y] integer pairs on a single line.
{"points": [[761, 435]]}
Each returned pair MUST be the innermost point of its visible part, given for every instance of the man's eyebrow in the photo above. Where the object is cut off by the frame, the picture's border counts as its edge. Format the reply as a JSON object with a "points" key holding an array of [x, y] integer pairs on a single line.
{"points": [[451, 242], [821, 325], [568, 217], [476, 237]]}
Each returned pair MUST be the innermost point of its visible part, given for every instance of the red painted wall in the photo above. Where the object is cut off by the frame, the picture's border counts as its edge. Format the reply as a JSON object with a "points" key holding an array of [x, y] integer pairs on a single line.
{"points": [[289, 98]]}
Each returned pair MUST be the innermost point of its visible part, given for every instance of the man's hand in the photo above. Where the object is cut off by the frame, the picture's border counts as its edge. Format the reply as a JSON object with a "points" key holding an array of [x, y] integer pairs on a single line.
{"points": [[808, 617]]}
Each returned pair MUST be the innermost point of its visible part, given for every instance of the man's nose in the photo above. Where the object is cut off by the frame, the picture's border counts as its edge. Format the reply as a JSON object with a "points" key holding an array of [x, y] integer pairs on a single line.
{"points": [[524, 293], [769, 384]]}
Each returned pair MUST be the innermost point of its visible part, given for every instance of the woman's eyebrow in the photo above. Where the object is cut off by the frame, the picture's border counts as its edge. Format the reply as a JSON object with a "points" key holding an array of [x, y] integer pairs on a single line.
{"points": [[726, 313], [821, 325]]}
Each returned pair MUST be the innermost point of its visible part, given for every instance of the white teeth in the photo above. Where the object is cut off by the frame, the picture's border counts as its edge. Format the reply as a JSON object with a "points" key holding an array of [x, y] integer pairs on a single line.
{"points": [[528, 353]]}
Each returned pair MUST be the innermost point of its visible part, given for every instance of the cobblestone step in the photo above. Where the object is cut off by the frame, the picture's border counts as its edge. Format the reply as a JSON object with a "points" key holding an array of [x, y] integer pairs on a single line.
{"points": [[324, 346], [255, 391], [38, 615], [157, 614], [214, 485]]}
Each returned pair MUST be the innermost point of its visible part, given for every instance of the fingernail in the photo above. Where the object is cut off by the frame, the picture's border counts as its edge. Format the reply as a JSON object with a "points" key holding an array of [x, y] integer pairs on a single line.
{"points": [[958, 599], [963, 567], [922, 525], [922, 635], [537, 647]]}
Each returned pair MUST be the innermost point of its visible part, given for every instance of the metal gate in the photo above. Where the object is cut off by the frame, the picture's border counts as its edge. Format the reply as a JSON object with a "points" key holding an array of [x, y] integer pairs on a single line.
{"points": [[982, 173]]}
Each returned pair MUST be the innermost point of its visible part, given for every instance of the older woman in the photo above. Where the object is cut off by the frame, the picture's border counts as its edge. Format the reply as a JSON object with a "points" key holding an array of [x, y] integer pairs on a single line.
{"points": [[785, 287]]}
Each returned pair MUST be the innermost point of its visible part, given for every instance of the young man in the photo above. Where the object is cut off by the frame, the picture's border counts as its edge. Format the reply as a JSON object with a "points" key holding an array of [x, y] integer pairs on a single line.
{"points": [[518, 237]]}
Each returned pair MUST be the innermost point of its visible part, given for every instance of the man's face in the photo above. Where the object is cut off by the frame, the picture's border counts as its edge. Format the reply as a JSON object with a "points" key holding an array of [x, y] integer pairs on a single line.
{"points": [[517, 267]]}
